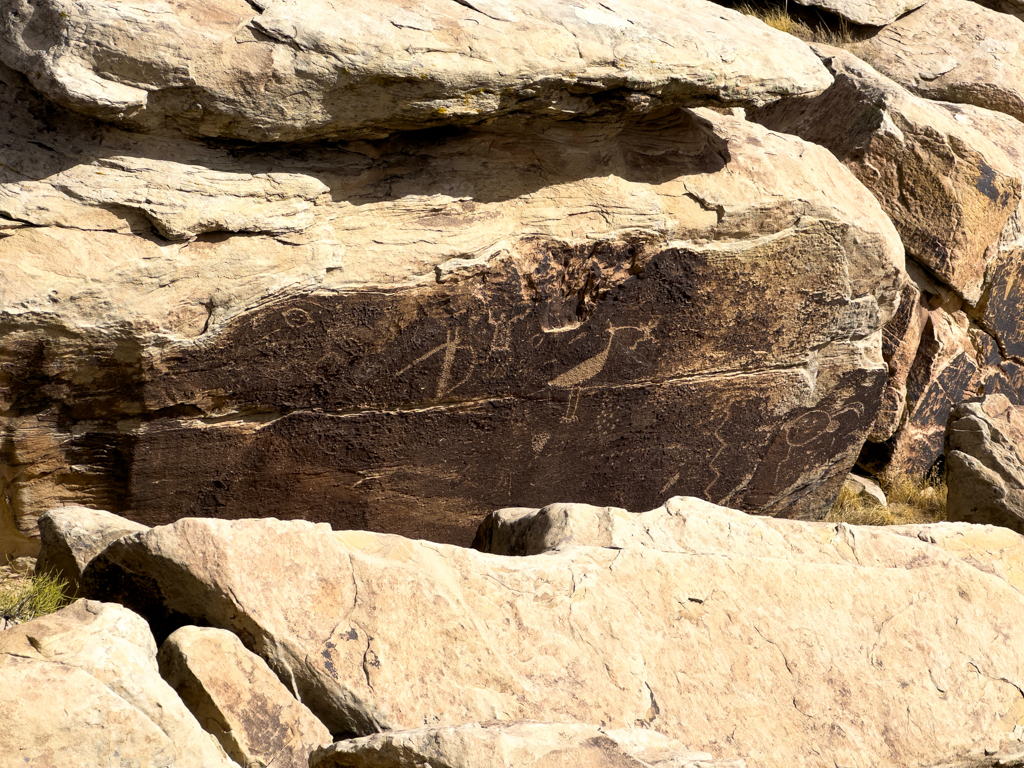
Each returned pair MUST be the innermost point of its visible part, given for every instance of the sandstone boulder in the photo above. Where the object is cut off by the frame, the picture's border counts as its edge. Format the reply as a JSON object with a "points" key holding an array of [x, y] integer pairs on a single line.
{"points": [[472, 320], [290, 70], [949, 178], [81, 688], [954, 50], [776, 660], [985, 463], [70, 537], [695, 527], [515, 745], [234, 696], [991, 548], [944, 373]]}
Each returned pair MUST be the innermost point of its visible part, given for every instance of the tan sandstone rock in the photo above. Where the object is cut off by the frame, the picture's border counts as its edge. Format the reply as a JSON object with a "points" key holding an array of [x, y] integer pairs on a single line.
{"points": [[954, 50], [290, 70], [985, 463], [949, 178], [515, 745], [473, 319], [778, 660], [236, 697], [80, 687], [70, 537]]}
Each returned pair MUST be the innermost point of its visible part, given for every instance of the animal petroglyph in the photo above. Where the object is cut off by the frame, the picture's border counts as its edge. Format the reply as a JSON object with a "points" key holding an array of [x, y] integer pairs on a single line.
{"points": [[575, 377], [591, 367]]}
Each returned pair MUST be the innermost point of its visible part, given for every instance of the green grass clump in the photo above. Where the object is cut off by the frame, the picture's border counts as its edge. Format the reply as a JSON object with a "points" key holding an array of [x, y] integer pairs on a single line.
{"points": [[913, 499], [23, 598], [811, 32]]}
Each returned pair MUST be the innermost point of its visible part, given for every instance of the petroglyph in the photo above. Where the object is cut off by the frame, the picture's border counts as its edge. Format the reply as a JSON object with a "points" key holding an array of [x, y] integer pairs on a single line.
{"points": [[450, 348], [591, 367]]}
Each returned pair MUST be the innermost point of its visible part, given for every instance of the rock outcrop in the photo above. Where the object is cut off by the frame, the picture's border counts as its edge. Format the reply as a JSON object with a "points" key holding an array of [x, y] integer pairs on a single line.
{"points": [[81, 687], [781, 660], [950, 176], [516, 745], [291, 70], [236, 697], [70, 537], [985, 463], [466, 320]]}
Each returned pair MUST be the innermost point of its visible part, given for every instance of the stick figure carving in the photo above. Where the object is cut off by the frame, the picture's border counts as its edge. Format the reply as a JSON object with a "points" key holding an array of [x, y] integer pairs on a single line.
{"points": [[451, 347]]}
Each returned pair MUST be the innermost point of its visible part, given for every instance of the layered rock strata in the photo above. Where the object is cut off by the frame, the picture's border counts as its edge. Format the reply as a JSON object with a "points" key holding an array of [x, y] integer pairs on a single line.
{"points": [[404, 334], [783, 660]]}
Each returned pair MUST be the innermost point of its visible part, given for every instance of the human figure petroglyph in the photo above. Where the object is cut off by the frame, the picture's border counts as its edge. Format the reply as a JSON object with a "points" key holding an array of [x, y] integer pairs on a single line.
{"points": [[807, 428], [451, 347]]}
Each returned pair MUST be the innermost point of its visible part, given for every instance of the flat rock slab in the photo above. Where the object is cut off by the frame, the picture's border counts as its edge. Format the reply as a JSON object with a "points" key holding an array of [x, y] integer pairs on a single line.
{"points": [[310, 69], [236, 697], [81, 688], [516, 745], [954, 50], [616, 311], [695, 527], [985, 463], [776, 660]]}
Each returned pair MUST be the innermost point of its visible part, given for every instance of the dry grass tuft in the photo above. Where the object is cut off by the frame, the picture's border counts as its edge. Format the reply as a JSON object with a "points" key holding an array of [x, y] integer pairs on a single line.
{"points": [[25, 597], [912, 499], [811, 32]]}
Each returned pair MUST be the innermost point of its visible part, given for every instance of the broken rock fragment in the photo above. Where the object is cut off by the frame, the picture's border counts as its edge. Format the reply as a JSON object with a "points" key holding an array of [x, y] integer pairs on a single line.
{"points": [[236, 697]]}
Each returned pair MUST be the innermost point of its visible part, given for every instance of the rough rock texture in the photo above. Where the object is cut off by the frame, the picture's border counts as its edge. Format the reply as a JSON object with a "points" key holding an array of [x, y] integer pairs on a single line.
{"points": [[777, 660], [950, 176], [310, 69], [944, 373], [991, 548], [985, 463], [81, 688], [949, 186], [875, 13], [70, 537], [236, 697], [954, 50], [515, 745], [620, 310]]}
